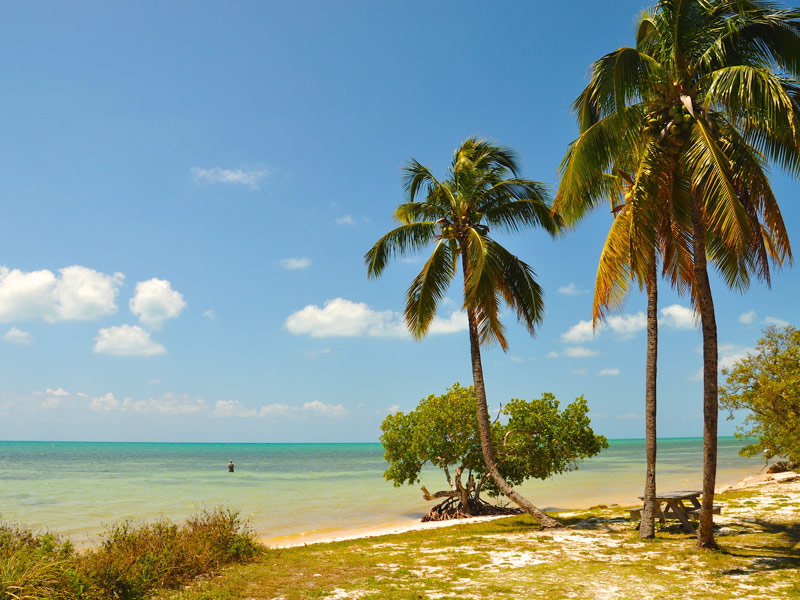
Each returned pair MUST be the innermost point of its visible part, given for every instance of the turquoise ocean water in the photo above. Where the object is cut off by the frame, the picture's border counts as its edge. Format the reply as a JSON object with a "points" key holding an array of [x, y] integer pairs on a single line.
{"points": [[292, 492]]}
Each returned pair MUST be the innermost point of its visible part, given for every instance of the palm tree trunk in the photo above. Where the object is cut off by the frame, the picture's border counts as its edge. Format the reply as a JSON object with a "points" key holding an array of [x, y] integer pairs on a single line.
{"points": [[705, 301], [647, 524], [486, 431]]}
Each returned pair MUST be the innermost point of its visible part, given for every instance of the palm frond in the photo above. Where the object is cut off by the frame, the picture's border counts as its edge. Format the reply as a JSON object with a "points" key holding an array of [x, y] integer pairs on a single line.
{"points": [[518, 286], [590, 158], [756, 98], [475, 264], [515, 215], [428, 289], [411, 212], [614, 274], [618, 79], [398, 242], [714, 182]]}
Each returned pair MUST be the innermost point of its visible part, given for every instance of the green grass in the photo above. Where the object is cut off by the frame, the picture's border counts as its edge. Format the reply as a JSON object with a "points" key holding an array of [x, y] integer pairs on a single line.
{"points": [[756, 560]]}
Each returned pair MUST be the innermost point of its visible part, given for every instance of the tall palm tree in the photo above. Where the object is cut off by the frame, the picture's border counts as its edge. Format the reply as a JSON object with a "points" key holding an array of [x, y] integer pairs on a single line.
{"points": [[616, 268], [711, 89], [482, 191]]}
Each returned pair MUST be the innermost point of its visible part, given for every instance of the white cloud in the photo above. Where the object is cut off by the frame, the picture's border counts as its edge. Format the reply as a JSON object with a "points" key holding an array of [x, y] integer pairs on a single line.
{"points": [[325, 410], [127, 340], [678, 317], [571, 290], [343, 318], [296, 264], [394, 408], [579, 352], [169, 404], [51, 403], [210, 315], [345, 220], [155, 301], [18, 336], [625, 326], [54, 399], [732, 353], [456, 322], [747, 318], [696, 376], [580, 332], [233, 408], [516, 359], [607, 372], [775, 321], [105, 403], [579, 372], [552, 354], [277, 410], [76, 293], [252, 178]]}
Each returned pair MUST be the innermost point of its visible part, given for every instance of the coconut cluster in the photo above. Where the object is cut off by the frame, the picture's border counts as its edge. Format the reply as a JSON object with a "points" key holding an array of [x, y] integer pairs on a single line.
{"points": [[670, 126]]}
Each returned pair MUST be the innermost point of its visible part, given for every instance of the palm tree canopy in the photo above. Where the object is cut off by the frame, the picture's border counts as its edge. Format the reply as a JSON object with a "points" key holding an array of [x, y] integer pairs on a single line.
{"points": [[481, 193], [700, 107]]}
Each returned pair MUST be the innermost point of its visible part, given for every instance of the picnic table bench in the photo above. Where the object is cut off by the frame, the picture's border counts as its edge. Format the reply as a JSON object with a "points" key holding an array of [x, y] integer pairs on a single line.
{"points": [[675, 508]]}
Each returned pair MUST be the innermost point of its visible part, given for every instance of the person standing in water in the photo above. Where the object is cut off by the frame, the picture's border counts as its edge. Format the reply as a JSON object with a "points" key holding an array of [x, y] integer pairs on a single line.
{"points": [[231, 466]]}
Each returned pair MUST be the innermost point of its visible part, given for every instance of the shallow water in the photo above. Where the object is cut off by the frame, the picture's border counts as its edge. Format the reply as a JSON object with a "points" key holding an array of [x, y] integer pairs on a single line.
{"points": [[292, 490]]}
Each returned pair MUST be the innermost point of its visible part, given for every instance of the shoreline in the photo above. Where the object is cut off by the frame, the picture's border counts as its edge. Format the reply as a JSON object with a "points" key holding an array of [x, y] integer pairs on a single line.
{"points": [[307, 538]]}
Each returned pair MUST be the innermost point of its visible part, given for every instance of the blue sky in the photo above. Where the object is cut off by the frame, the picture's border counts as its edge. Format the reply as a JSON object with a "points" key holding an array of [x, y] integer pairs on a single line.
{"points": [[189, 188]]}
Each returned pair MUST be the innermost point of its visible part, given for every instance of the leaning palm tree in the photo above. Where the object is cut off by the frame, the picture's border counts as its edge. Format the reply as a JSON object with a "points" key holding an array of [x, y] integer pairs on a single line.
{"points": [[482, 191], [711, 88]]}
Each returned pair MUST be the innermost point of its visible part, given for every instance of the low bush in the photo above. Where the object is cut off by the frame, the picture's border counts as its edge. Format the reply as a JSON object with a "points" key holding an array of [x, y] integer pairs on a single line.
{"points": [[36, 566], [135, 560], [131, 562]]}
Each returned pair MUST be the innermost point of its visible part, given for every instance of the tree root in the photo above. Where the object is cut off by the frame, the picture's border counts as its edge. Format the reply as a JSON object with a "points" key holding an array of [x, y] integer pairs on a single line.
{"points": [[453, 509]]}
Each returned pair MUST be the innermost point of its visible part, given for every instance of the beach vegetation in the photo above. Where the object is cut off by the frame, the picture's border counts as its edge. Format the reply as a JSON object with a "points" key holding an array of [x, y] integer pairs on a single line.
{"points": [[131, 561], [703, 102], [36, 565], [766, 385], [482, 193], [533, 439], [597, 555]]}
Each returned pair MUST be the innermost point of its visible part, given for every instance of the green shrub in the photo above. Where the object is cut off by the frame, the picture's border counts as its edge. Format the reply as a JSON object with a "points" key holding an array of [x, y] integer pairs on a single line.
{"points": [[133, 561], [34, 566]]}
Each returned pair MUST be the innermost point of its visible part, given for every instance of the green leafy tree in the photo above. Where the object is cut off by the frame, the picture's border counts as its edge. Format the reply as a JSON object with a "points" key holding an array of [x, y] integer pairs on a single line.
{"points": [[456, 214], [534, 439], [711, 89], [767, 385]]}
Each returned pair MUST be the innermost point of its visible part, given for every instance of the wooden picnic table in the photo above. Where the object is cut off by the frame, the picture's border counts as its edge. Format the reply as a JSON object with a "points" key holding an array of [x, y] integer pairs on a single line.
{"points": [[675, 508]]}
